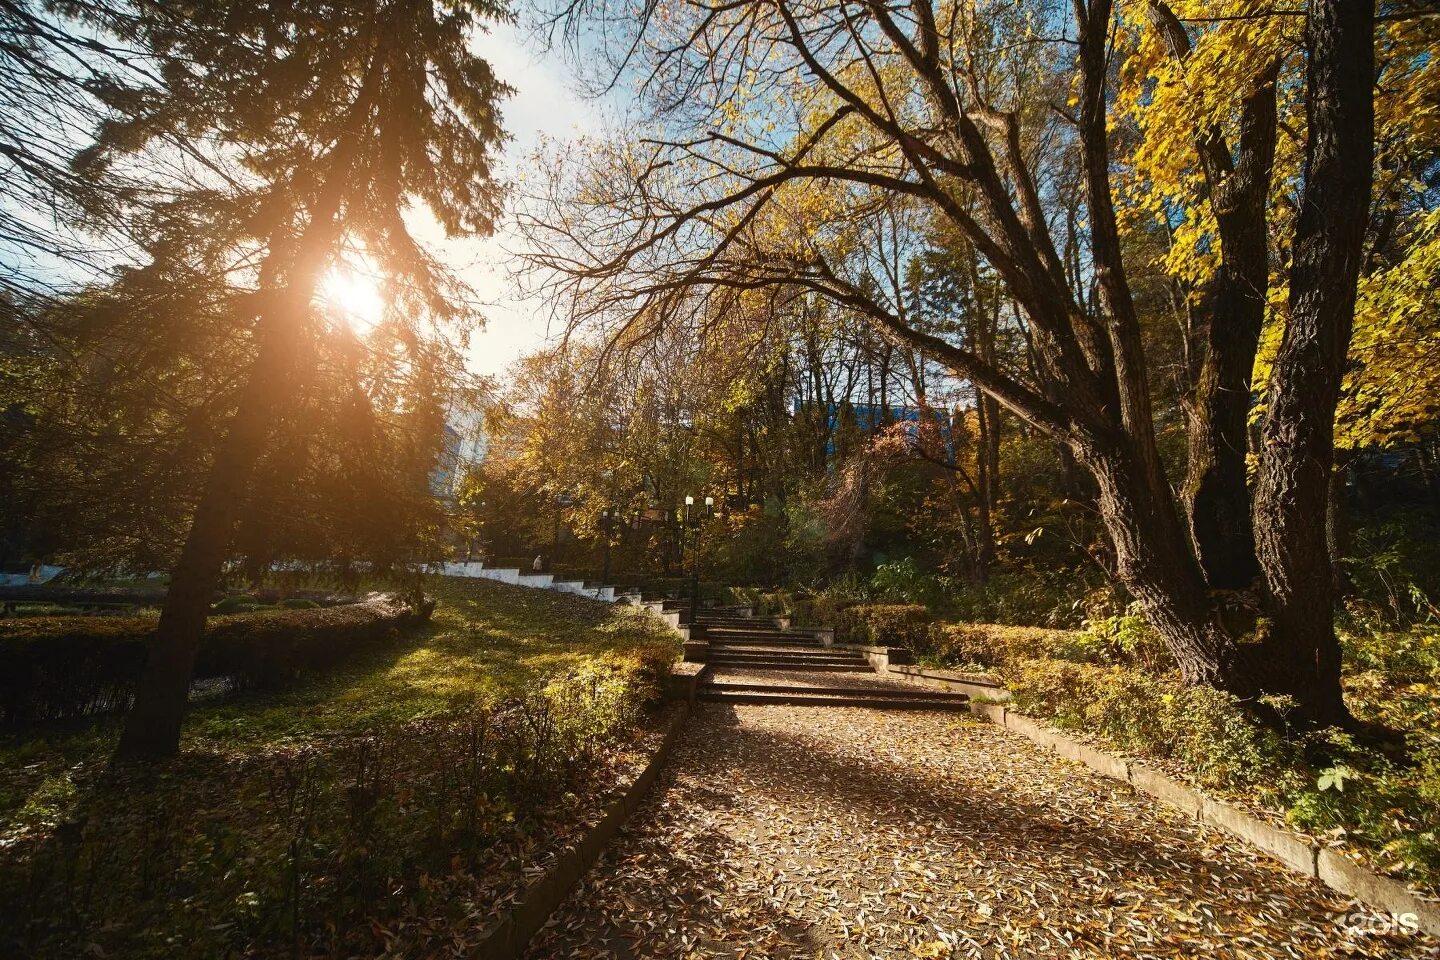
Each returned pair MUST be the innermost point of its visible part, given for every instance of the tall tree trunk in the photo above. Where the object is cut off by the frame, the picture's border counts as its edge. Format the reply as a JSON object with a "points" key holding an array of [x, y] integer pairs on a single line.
{"points": [[1218, 408], [153, 727], [1337, 523], [1302, 653], [1154, 562]]}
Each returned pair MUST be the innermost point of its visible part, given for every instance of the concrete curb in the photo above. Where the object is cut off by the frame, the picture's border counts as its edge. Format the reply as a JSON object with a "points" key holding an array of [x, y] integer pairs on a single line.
{"points": [[508, 938], [974, 685], [1295, 852]]}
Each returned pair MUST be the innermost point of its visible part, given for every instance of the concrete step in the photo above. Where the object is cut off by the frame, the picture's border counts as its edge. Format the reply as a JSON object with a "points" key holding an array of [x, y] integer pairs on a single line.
{"points": [[739, 623], [791, 665], [784, 642], [741, 686], [793, 654], [729, 633], [815, 697]]}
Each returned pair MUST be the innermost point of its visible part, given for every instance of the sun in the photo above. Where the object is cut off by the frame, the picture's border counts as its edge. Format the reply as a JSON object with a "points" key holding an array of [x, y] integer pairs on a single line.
{"points": [[356, 296]]}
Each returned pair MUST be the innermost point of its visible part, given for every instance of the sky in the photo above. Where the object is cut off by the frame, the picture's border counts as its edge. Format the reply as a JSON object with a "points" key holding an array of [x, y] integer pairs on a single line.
{"points": [[544, 106]]}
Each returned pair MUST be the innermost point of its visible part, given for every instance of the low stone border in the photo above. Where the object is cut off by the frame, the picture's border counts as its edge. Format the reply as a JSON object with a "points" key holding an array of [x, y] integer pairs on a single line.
{"points": [[1300, 855], [684, 680], [968, 683], [508, 938]]}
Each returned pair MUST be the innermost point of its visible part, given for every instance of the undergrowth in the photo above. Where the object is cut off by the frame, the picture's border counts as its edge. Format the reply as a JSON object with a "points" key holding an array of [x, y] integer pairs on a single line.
{"points": [[377, 809]]}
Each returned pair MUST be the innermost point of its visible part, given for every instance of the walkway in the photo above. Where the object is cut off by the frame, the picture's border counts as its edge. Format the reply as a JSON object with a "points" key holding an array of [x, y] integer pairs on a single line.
{"points": [[789, 832]]}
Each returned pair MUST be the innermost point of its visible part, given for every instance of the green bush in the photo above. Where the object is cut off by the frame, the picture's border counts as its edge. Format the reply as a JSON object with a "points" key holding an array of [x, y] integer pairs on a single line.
{"points": [[297, 603], [882, 624], [989, 646], [61, 667], [903, 581], [1159, 716], [236, 603], [1027, 598]]}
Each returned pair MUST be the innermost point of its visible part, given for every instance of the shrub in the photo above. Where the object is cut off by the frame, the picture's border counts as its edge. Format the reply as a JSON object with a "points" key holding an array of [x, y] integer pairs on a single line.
{"points": [[903, 581], [297, 603], [1158, 716], [1026, 598], [890, 625], [236, 603], [990, 646], [61, 667]]}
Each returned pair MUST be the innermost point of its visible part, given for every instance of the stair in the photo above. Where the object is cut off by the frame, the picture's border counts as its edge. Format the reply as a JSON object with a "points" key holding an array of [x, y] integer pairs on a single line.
{"points": [[795, 695], [748, 652]]}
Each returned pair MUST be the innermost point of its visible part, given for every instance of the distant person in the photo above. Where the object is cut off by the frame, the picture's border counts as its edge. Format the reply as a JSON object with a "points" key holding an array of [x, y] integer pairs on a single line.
{"points": [[539, 564]]}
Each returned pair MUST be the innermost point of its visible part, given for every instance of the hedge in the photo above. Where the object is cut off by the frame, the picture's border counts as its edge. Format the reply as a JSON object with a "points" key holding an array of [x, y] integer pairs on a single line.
{"points": [[54, 668], [885, 625], [993, 645]]}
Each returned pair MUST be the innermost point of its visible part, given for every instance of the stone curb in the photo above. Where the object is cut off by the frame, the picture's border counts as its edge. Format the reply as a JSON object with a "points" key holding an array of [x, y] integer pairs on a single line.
{"points": [[1300, 855], [972, 685], [508, 938]]}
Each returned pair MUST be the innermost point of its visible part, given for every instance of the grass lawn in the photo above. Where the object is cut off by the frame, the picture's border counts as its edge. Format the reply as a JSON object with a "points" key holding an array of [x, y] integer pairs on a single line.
{"points": [[462, 744]]}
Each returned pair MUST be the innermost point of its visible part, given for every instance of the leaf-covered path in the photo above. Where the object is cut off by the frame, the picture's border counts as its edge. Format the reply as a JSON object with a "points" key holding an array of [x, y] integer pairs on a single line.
{"points": [[837, 832]]}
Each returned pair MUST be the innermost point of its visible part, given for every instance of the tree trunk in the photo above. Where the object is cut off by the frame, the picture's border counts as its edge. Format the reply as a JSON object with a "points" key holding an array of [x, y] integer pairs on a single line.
{"points": [[288, 278], [152, 729], [1337, 524], [1154, 562], [1302, 652]]}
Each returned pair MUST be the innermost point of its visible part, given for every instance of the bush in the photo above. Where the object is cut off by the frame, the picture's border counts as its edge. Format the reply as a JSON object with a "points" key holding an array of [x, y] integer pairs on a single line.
{"points": [[297, 603], [903, 581], [1126, 641], [237, 603], [888, 625], [62, 667], [1158, 716], [991, 646]]}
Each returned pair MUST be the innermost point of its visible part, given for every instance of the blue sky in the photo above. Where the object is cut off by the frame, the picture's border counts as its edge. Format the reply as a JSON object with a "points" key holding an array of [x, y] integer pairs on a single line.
{"points": [[545, 106]]}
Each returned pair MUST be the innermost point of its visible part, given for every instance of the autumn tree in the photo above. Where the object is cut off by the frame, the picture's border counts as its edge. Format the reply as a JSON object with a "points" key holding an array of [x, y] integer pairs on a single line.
{"points": [[873, 104]]}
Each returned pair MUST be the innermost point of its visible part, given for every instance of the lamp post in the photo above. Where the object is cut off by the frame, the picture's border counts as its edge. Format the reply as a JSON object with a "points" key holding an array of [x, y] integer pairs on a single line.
{"points": [[693, 520], [607, 518]]}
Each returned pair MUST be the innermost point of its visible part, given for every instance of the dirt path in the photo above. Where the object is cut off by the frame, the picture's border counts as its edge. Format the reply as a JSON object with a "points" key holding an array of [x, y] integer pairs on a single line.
{"points": [[836, 832]]}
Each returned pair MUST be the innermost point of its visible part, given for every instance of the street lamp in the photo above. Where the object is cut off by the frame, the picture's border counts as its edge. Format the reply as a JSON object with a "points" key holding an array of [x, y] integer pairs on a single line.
{"points": [[693, 520], [607, 518]]}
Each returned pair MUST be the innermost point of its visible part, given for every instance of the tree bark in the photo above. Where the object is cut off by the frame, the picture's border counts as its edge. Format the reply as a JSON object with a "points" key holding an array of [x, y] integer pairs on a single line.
{"points": [[1337, 524], [152, 729], [1154, 562], [1302, 652]]}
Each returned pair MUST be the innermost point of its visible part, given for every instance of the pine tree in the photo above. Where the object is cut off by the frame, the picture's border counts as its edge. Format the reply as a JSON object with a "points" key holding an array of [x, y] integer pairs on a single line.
{"points": [[307, 130]]}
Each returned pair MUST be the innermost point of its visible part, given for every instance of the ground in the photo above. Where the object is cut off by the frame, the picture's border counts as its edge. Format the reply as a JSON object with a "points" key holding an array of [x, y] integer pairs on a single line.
{"points": [[837, 832]]}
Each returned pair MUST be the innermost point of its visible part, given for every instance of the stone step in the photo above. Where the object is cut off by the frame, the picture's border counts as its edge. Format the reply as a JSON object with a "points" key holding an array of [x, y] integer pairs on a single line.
{"points": [[731, 633], [740, 622], [791, 665], [740, 686], [794, 654], [786, 642], [874, 700]]}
